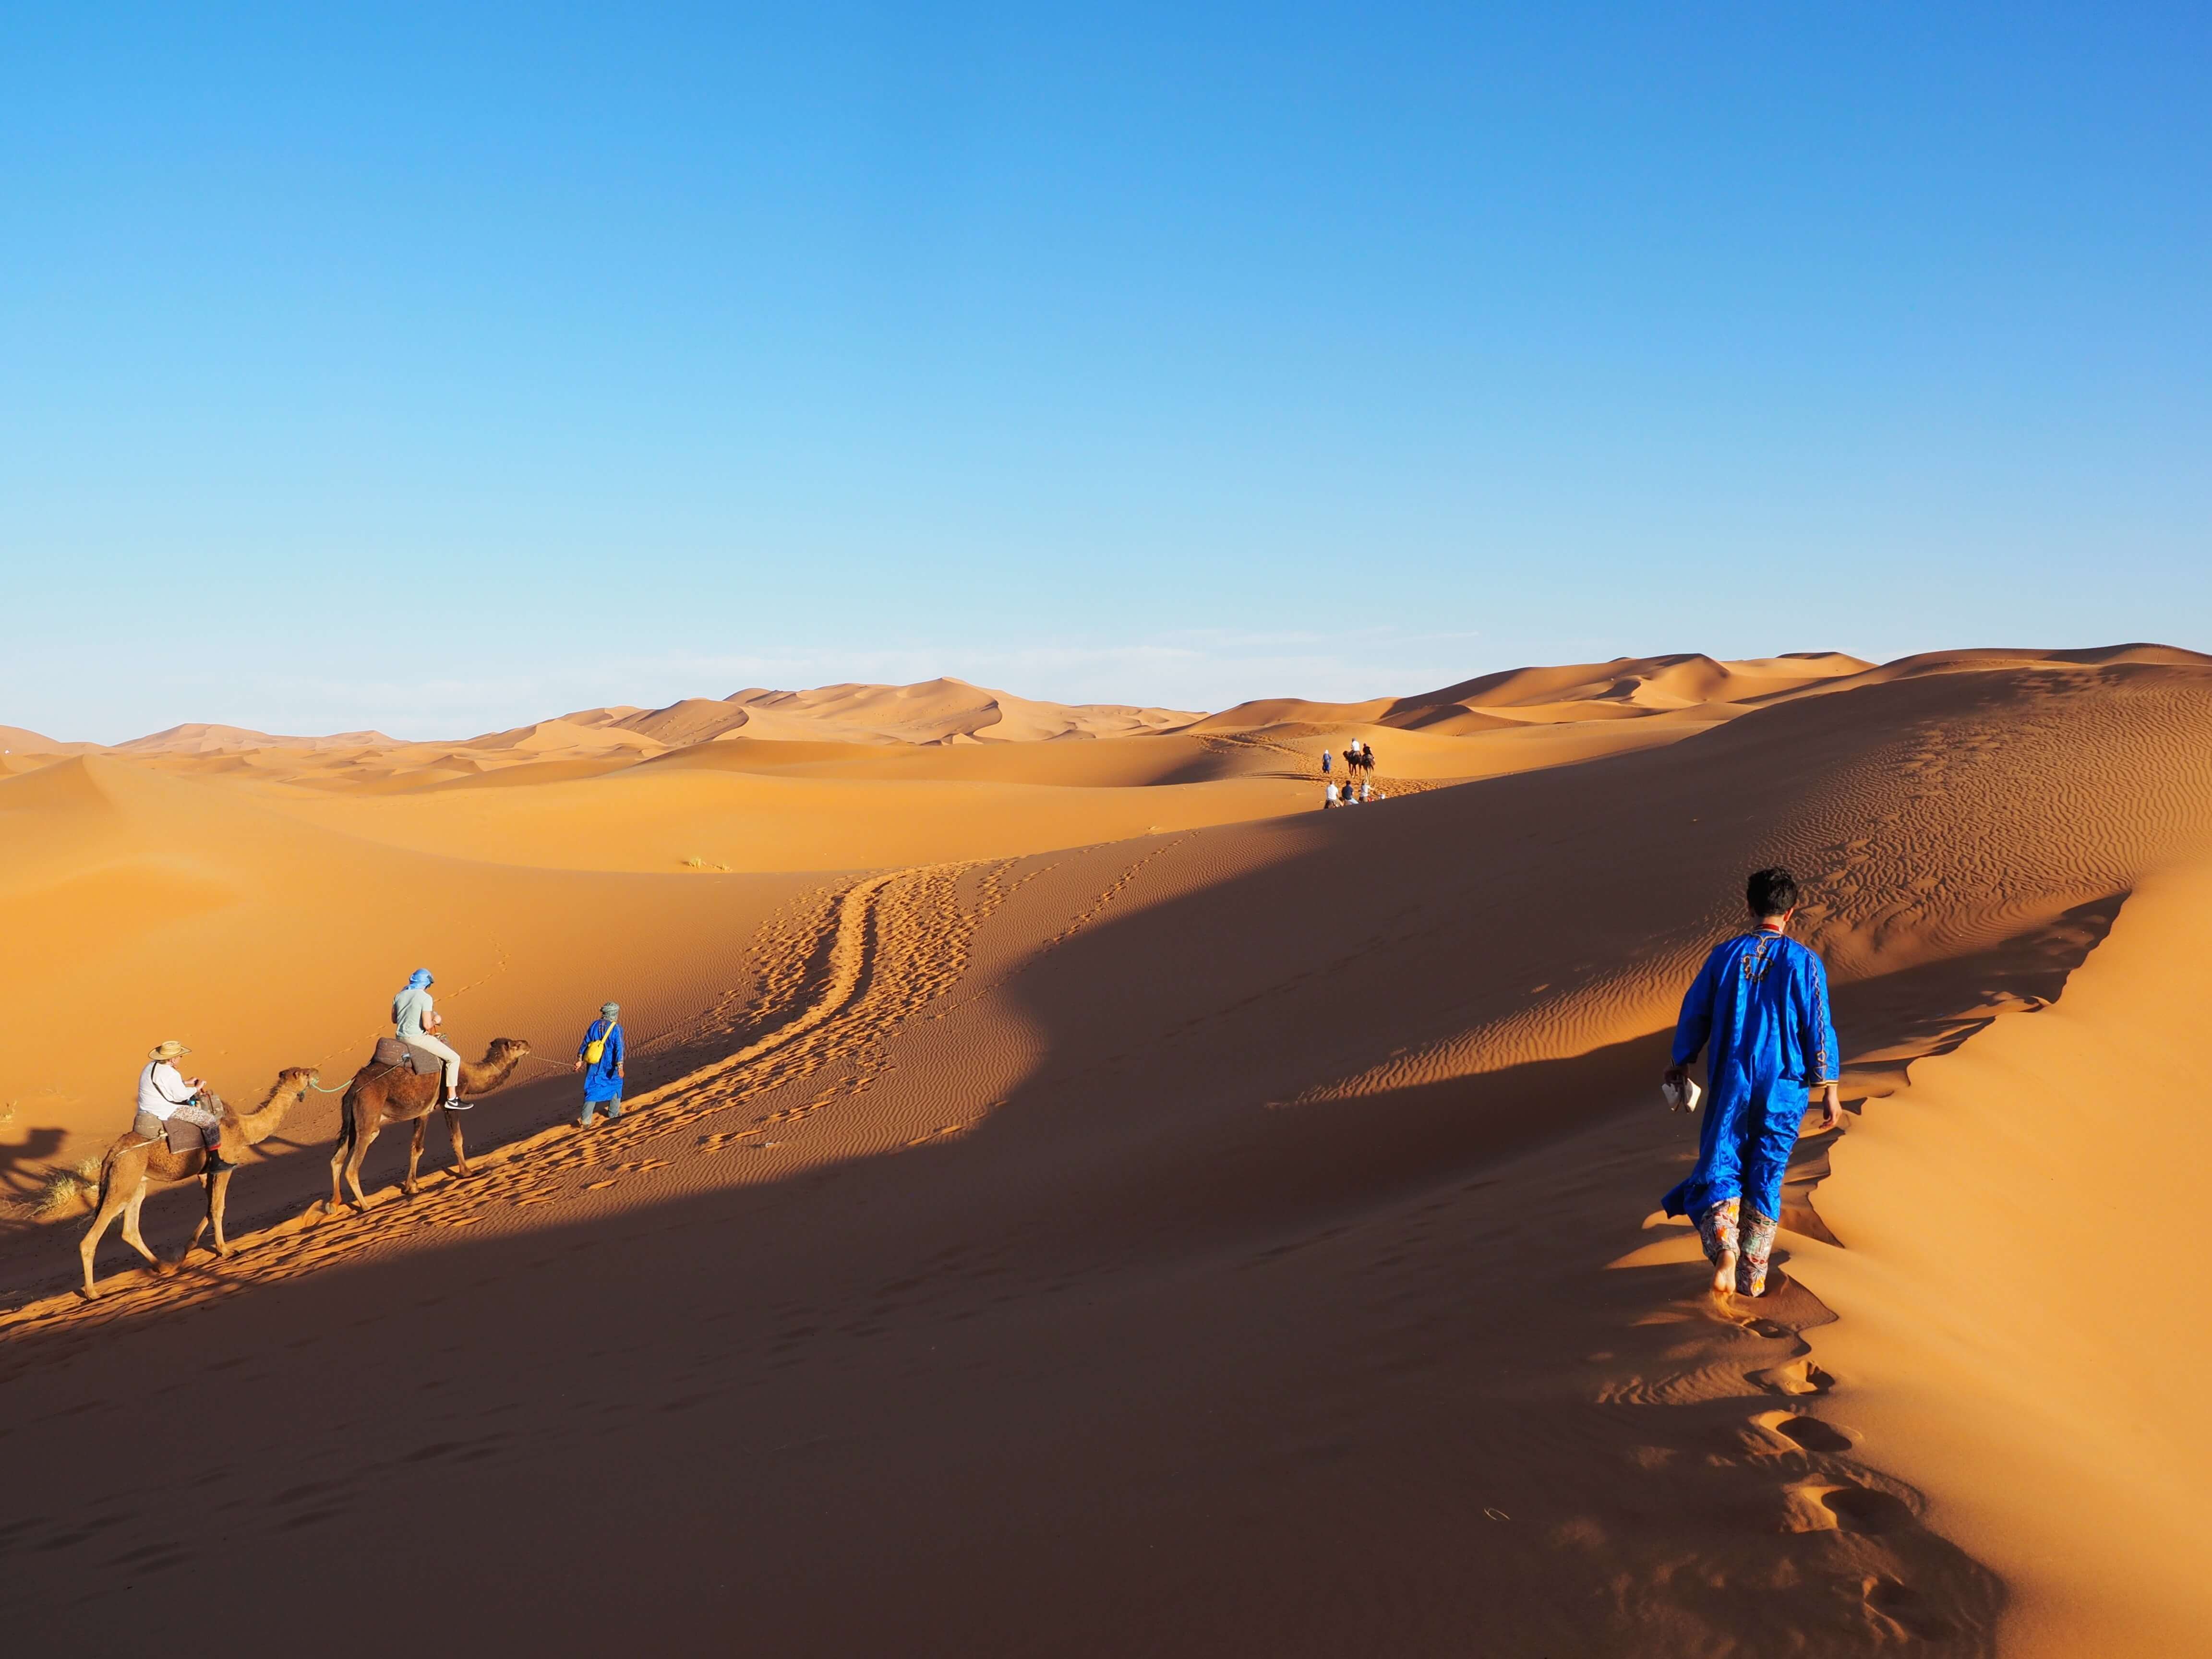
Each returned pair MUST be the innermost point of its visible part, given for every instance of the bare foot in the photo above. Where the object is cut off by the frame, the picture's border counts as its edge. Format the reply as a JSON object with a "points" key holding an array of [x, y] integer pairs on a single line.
{"points": [[1724, 1274]]}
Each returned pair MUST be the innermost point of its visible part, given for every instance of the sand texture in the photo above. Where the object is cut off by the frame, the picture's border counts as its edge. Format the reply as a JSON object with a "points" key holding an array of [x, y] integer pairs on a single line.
{"points": [[1078, 1198]]}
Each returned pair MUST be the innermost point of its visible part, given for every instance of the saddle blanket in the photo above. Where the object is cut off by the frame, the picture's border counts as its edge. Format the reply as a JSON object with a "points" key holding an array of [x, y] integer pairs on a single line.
{"points": [[182, 1137], [390, 1051]]}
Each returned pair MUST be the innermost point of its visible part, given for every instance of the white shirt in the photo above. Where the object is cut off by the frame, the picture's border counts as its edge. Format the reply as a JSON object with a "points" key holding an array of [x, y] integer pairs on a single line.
{"points": [[162, 1090]]}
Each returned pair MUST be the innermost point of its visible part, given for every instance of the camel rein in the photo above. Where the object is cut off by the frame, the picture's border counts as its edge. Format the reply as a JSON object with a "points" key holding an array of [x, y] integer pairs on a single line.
{"points": [[395, 1066]]}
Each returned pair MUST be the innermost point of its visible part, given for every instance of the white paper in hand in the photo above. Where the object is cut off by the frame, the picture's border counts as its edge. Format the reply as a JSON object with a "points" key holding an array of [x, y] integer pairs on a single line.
{"points": [[1684, 1097]]}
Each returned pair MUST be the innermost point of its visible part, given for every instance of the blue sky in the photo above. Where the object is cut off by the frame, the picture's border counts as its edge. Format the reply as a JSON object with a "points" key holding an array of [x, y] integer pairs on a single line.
{"points": [[434, 367]]}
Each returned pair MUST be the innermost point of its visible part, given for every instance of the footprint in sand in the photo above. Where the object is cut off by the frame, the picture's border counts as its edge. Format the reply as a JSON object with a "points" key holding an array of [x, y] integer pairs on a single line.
{"points": [[1822, 1505], [1806, 1433], [1905, 1607], [1795, 1376]]}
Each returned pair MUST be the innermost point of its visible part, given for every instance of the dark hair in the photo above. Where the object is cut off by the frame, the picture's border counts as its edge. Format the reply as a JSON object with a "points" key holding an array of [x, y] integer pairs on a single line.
{"points": [[1770, 891]]}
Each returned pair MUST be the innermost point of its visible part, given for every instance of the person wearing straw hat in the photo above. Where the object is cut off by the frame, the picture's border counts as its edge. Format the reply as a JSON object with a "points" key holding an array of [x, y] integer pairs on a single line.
{"points": [[600, 1058], [169, 1105]]}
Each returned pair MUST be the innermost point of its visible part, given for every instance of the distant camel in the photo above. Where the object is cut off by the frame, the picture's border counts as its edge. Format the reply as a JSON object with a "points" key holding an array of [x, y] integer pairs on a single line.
{"points": [[380, 1095], [133, 1164]]}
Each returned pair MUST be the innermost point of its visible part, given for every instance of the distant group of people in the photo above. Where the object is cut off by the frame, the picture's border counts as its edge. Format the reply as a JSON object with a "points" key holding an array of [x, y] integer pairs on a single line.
{"points": [[1359, 764]]}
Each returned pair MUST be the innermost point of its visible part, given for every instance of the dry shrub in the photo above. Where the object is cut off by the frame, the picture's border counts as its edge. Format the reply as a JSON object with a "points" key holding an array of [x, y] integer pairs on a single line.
{"points": [[66, 1191]]}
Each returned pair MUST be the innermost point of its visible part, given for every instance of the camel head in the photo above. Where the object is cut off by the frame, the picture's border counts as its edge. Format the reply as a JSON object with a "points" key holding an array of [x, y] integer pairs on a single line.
{"points": [[287, 1091], [500, 1057]]}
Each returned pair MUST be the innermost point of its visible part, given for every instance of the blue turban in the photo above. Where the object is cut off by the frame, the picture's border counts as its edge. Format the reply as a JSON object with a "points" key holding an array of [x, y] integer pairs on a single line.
{"points": [[419, 979]]}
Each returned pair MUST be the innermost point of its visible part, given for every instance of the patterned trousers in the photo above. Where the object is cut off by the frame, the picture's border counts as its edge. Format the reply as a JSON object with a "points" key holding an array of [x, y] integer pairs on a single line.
{"points": [[1752, 1242]]}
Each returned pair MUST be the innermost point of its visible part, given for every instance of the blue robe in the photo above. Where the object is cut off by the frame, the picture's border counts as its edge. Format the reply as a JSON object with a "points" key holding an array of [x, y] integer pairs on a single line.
{"points": [[1762, 1001], [600, 1082]]}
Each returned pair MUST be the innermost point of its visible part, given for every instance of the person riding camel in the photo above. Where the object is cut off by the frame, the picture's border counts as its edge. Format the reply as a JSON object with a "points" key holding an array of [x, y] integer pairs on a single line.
{"points": [[416, 1018], [169, 1106]]}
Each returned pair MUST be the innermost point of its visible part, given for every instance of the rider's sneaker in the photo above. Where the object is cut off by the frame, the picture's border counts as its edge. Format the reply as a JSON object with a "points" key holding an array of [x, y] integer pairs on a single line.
{"points": [[456, 1104]]}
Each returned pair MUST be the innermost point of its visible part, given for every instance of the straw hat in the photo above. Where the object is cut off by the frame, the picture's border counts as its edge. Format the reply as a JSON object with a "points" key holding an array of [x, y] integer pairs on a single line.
{"points": [[171, 1049]]}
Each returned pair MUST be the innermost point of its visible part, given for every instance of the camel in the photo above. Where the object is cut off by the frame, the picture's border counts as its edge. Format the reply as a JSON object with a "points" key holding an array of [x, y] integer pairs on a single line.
{"points": [[380, 1095], [134, 1164]]}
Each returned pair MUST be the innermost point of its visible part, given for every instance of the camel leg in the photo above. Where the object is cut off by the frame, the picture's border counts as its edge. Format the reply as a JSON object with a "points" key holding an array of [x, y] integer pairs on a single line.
{"points": [[218, 1199], [112, 1207], [135, 1239], [363, 1134], [460, 1159], [349, 1131], [415, 1156]]}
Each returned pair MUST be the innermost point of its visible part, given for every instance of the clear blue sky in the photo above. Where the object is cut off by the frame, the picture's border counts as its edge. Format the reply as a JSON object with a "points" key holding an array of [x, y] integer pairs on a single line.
{"points": [[435, 367]]}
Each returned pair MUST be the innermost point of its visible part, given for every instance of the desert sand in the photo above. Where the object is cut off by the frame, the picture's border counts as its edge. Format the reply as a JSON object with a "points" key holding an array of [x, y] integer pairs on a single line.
{"points": [[1078, 1198]]}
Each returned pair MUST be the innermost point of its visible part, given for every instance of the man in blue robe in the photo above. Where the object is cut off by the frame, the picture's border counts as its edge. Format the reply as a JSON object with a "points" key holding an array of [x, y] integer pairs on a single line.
{"points": [[600, 1057], [1761, 1000]]}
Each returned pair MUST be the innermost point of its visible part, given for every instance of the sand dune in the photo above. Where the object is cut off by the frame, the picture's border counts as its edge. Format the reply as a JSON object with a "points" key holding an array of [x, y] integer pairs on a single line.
{"points": [[878, 728], [931, 712], [23, 751], [199, 739], [1624, 689], [1040, 1232], [1976, 1203]]}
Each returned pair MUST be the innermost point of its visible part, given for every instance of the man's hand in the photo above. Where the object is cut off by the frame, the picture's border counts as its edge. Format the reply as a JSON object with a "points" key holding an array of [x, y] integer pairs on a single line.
{"points": [[1673, 1077], [578, 1067], [1831, 1107]]}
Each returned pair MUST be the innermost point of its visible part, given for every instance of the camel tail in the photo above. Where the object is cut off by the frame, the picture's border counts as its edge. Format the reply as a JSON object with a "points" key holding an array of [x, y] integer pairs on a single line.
{"points": [[346, 1129]]}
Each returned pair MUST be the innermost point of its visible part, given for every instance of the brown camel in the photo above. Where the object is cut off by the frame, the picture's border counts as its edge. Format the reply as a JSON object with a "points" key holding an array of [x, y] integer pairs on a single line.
{"points": [[380, 1095], [133, 1165]]}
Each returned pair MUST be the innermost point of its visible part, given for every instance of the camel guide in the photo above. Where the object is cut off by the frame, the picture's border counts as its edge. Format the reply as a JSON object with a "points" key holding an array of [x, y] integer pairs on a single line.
{"points": [[600, 1057], [169, 1105], [415, 1016]]}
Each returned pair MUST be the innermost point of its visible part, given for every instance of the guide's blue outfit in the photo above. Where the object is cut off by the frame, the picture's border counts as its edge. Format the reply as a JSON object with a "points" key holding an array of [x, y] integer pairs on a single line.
{"points": [[601, 1085], [1761, 1000]]}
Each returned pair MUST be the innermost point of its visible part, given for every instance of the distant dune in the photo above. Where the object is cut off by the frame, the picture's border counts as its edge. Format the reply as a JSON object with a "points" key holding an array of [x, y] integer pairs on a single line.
{"points": [[1080, 1198]]}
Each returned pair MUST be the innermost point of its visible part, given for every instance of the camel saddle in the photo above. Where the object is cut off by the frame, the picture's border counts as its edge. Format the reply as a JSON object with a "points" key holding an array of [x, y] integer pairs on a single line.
{"points": [[182, 1138], [390, 1051]]}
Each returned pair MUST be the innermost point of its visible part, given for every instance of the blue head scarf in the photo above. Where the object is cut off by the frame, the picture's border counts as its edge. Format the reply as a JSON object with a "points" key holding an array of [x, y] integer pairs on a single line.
{"points": [[419, 980]]}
